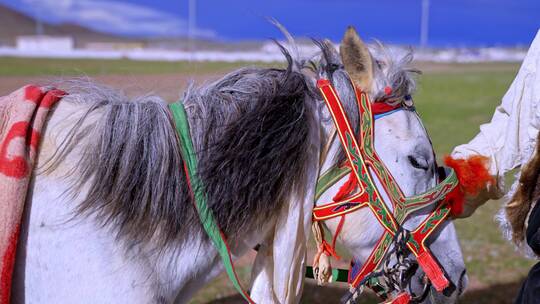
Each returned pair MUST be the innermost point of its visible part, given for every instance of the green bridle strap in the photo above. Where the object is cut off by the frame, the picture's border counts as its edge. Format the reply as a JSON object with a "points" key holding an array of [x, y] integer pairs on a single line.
{"points": [[329, 178], [208, 220], [338, 275]]}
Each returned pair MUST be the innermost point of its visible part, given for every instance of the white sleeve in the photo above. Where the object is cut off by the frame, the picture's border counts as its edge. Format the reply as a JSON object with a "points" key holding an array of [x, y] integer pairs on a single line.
{"points": [[509, 139]]}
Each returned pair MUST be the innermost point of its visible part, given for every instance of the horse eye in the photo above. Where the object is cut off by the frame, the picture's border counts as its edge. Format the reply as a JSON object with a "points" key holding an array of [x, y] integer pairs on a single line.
{"points": [[418, 163]]}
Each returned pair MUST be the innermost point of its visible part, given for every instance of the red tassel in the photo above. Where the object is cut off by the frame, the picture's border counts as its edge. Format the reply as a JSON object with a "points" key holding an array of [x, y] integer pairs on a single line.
{"points": [[473, 176], [346, 189]]}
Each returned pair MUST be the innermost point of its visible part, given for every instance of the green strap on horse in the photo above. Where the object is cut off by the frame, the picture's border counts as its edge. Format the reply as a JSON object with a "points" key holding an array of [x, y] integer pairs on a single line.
{"points": [[208, 220], [330, 178], [338, 275]]}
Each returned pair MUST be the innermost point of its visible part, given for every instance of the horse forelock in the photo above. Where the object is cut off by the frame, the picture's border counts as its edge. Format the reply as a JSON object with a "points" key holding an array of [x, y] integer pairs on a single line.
{"points": [[391, 69]]}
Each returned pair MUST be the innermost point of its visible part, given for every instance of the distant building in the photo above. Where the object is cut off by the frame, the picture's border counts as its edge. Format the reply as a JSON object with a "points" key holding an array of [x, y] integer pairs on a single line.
{"points": [[45, 43]]}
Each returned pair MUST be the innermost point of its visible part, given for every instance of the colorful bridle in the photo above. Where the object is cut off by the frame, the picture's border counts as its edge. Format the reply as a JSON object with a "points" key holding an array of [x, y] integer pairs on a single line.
{"points": [[360, 158]]}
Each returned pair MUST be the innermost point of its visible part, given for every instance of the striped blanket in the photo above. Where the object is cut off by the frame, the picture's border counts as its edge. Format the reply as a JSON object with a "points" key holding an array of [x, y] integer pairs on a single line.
{"points": [[22, 117]]}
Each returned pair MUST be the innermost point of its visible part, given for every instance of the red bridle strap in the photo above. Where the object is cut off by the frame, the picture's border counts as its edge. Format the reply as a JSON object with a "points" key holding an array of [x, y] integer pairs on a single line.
{"points": [[378, 108]]}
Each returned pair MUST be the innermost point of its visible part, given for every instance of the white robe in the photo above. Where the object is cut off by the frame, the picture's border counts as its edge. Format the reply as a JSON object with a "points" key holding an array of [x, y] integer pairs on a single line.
{"points": [[509, 138]]}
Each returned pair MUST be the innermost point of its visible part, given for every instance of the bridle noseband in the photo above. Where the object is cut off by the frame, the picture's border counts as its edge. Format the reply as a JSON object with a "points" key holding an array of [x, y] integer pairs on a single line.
{"points": [[360, 158]]}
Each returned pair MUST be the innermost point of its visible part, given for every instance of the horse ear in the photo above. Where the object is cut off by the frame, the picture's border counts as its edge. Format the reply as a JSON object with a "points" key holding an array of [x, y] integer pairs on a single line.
{"points": [[357, 59]]}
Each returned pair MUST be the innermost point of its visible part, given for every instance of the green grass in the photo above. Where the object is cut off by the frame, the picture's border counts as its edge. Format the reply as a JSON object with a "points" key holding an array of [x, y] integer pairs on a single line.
{"points": [[453, 105], [10, 66]]}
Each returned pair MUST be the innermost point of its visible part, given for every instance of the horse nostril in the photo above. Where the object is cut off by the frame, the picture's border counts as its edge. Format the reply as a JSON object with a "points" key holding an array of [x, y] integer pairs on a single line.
{"points": [[418, 162]]}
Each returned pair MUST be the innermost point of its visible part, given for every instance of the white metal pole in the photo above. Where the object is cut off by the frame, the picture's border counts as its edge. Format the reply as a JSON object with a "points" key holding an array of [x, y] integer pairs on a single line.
{"points": [[37, 19], [39, 27], [424, 24], [192, 10]]}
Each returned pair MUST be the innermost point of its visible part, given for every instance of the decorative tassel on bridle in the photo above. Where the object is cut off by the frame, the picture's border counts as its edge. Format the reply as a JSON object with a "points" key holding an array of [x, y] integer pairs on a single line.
{"points": [[322, 268], [473, 176]]}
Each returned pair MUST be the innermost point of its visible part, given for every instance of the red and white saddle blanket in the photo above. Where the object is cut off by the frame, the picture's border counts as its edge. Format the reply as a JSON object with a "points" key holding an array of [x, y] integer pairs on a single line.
{"points": [[23, 115]]}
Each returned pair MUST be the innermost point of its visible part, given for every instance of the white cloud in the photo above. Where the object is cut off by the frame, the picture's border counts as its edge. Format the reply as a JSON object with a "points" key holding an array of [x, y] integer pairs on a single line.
{"points": [[116, 17]]}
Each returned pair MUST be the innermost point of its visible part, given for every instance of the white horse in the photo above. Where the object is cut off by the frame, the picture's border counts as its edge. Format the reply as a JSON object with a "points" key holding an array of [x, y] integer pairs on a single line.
{"points": [[109, 217]]}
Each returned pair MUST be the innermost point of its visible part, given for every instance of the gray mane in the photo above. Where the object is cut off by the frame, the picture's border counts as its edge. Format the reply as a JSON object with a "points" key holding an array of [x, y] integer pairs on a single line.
{"points": [[251, 134], [391, 69], [250, 131]]}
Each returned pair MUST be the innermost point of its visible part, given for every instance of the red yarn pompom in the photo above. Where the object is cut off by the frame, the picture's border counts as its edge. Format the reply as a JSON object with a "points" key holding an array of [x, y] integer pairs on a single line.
{"points": [[473, 176]]}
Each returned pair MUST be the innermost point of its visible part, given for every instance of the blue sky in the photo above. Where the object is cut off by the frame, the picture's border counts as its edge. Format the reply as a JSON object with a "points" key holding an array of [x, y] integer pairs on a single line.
{"points": [[452, 22]]}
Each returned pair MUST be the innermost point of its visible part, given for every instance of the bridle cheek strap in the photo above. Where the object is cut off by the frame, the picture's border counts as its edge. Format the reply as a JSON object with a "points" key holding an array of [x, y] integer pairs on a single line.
{"points": [[364, 156]]}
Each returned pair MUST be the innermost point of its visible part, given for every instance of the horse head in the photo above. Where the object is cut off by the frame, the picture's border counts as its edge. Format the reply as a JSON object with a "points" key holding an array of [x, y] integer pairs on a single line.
{"points": [[402, 144]]}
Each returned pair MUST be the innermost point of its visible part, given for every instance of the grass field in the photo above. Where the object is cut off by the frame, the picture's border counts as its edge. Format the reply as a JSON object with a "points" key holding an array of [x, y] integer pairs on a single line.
{"points": [[453, 101], [10, 66]]}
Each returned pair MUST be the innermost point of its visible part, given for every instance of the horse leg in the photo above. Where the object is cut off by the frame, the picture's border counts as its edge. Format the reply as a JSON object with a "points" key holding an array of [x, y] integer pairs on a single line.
{"points": [[262, 290]]}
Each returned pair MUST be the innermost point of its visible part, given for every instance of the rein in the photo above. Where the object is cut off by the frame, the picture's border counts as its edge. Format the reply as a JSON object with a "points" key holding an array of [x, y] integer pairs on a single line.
{"points": [[361, 158]]}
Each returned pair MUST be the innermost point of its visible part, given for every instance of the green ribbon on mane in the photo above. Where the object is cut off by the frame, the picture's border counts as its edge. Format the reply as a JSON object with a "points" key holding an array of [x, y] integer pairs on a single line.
{"points": [[208, 220]]}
